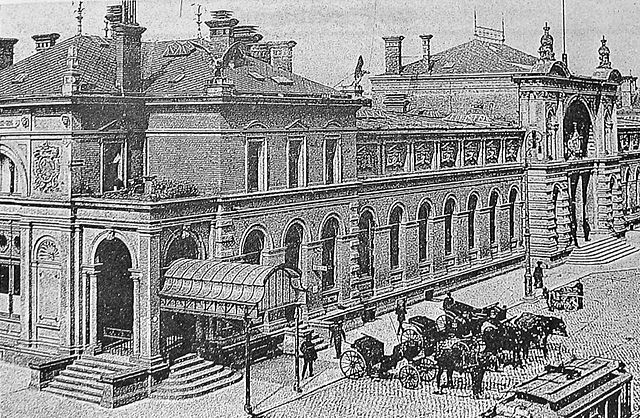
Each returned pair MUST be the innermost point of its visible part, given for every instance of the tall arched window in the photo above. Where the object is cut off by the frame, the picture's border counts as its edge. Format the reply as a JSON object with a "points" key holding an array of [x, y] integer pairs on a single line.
{"points": [[292, 243], [394, 242], [253, 246], [365, 243], [493, 202], [423, 231], [471, 223], [8, 181], [513, 196], [329, 234], [449, 209]]}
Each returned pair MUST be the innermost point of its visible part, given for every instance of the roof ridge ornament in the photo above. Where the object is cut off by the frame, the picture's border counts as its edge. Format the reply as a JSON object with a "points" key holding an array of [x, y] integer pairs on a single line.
{"points": [[546, 45], [605, 54]]}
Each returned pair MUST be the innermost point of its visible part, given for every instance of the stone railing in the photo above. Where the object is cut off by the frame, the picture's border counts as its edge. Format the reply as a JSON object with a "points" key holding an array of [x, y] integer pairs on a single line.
{"points": [[43, 373], [124, 387]]}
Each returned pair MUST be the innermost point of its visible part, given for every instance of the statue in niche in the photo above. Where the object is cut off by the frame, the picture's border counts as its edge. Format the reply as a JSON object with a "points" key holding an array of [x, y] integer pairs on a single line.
{"points": [[574, 148]]}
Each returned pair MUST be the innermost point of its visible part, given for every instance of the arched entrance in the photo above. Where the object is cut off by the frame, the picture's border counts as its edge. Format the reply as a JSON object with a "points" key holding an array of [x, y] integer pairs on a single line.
{"points": [[115, 296], [577, 131], [581, 204]]}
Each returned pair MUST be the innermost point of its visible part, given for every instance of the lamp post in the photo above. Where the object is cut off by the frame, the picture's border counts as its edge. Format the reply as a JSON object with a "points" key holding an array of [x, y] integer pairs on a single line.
{"points": [[528, 278], [247, 363]]}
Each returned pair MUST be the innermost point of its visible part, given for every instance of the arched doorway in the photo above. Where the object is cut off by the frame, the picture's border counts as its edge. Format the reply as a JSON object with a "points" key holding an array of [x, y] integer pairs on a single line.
{"points": [[329, 234], [365, 243], [513, 197], [292, 243], [253, 246], [449, 210], [114, 296], [577, 131]]}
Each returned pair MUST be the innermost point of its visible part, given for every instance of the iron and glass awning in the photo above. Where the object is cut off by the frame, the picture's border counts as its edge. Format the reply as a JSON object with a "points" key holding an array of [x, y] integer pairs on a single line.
{"points": [[228, 289]]}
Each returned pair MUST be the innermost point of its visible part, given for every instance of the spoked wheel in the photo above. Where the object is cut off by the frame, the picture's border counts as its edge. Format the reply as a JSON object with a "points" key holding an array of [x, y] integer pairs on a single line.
{"points": [[571, 303], [352, 364], [409, 377], [445, 324], [429, 369], [411, 340]]}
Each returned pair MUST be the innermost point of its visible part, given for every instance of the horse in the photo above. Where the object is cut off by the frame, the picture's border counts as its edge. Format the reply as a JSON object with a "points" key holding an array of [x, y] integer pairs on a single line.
{"points": [[458, 360], [536, 329], [503, 337], [400, 351]]}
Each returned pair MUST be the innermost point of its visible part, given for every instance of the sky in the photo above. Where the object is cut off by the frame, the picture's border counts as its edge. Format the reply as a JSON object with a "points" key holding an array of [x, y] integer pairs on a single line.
{"points": [[331, 34]]}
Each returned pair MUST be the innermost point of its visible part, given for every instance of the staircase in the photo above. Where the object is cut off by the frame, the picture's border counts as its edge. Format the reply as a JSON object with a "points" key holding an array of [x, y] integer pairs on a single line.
{"points": [[81, 380], [604, 251], [191, 376]]}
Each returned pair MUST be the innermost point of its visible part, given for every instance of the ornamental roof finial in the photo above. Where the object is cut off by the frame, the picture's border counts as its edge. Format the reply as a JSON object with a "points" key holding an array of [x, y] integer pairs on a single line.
{"points": [[605, 54], [546, 45]]}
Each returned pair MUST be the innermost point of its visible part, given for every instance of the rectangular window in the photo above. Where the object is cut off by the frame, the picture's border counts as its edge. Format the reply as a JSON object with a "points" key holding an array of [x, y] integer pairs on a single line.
{"points": [[16, 280], [4, 279], [332, 161], [296, 164], [256, 166]]}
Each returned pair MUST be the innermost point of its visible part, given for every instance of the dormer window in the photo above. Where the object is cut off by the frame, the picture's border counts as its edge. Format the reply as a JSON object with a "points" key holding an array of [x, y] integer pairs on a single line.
{"points": [[20, 78]]}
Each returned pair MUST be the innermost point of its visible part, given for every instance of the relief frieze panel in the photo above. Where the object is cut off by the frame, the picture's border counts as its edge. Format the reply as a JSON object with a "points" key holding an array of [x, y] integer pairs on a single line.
{"points": [[448, 154], [367, 158], [471, 153], [46, 168], [512, 149], [395, 156], [492, 151], [424, 155]]}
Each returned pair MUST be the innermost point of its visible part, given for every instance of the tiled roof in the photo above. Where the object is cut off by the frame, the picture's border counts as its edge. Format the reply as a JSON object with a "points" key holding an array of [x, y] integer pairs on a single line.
{"points": [[473, 57], [44, 70], [375, 119], [194, 71], [184, 74]]}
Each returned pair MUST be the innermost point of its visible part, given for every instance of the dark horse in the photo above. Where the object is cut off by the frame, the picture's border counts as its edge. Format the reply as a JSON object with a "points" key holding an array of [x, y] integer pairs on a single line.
{"points": [[400, 351], [463, 361], [504, 338], [536, 329]]}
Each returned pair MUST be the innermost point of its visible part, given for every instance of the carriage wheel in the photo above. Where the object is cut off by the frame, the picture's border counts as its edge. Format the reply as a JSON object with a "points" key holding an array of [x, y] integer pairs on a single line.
{"points": [[570, 303], [352, 364], [446, 324], [411, 338], [409, 377], [429, 369]]}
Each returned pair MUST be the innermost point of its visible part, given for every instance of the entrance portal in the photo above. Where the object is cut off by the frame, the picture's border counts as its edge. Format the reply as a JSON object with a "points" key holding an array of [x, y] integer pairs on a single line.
{"points": [[115, 297], [581, 207]]}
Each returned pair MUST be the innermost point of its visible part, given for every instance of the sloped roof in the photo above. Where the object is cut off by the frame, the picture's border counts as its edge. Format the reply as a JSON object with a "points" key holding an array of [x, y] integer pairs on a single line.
{"points": [[43, 71], [194, 71], [474, 57]]}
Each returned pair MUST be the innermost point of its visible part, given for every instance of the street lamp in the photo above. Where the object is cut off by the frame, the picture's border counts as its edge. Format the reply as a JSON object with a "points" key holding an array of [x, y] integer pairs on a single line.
{"points": [[296, 385], [528, 278], [247, 363]]}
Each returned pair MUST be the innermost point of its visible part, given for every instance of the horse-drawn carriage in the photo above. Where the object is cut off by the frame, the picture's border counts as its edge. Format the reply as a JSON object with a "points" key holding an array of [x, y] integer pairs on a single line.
{"points": [[461, 319], [566, 297]]}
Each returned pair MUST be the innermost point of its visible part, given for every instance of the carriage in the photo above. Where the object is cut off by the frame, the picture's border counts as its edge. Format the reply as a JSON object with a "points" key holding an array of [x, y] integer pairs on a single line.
{"points": [[458, 313], [565, 298]]}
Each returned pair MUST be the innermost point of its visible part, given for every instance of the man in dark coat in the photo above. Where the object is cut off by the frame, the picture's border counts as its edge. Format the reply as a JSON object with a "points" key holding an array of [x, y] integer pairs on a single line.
{"points": [[448, 302], [401, 314], [337, 336], [574, 233], [537, 276], [309, 354], [580, 291]]}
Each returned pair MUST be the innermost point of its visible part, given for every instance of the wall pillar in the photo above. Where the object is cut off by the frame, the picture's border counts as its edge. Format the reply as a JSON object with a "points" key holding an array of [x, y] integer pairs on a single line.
{"points": [[135, 277], [437, 246], [149, 301], [503, 238], [91, 311], [410, 249], [381, 257], [483, 241], [460, 243]]}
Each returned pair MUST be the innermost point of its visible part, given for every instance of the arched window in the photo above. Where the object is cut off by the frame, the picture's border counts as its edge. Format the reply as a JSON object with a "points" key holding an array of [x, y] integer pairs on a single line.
{"points": [[449, 209], [394, 242], [329, 234], [253, 246], [8, 181], [493, 202], [365, 243], [471, 224], [423, 232], [292, 243], [513, 196], [183, 246]]}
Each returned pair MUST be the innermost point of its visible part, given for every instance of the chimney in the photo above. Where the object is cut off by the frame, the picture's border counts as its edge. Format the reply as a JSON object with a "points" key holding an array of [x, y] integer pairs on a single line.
{"points": [[282, 54], [221, 28], [426, 50], [128, 43], [393, 54], [627, 91], [45, 41], [259, 51], [6, 52]]}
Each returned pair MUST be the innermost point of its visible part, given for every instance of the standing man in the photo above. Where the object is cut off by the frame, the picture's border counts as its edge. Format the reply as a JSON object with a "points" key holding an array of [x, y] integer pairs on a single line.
{"points": [[337, 336], [309, 354], [580, 291], [574, 232], [587, 229], [401, 314], [537, 276]]}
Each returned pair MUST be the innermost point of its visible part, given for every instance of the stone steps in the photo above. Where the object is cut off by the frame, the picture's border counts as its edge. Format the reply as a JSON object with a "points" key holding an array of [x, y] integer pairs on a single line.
{"points": [[81, 379], [603, 251], [191, 376]]}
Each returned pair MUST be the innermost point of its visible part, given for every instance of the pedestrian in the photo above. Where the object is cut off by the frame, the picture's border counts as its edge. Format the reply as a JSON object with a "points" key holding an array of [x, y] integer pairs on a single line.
{"points": [[587, 229], [502, 313], [309, 354], [537, 276], [337, 336], [401, 314], [574, 232], [580, 291], [448, 302], [547, 297]]}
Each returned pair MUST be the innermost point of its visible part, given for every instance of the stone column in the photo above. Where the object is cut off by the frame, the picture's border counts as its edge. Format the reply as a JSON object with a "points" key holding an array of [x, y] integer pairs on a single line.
{"points": [[149, 300], [437, 253], [91, 280], [344, 267], [460, 238], [28, 310], [482, 233], [135, 277], [411, 252]]}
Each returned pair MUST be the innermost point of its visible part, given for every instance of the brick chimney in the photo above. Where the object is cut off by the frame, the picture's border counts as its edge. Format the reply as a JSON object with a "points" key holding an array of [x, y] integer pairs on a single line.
{"points": [[6, 52], [221, 27], [128, 43], [426, 49], [45, 41], [282, 54], [393, 54]]}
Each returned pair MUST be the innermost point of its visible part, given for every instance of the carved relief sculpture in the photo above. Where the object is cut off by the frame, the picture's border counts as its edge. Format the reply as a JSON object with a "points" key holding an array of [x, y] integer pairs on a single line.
{"points": [[424, 155], [512, 149], [368, 158], [493, 151], [396, 156], [46, 169], [449, 153], [471, 152]]}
